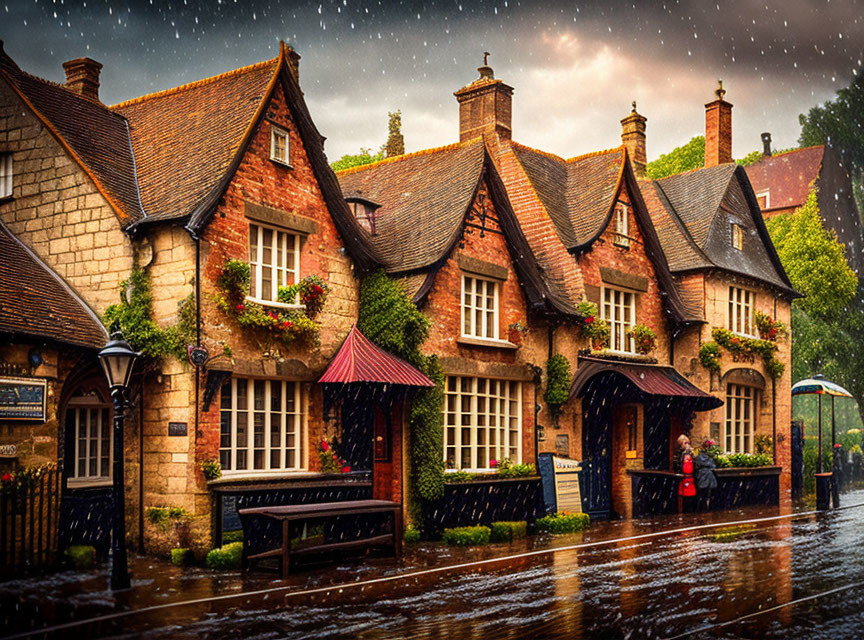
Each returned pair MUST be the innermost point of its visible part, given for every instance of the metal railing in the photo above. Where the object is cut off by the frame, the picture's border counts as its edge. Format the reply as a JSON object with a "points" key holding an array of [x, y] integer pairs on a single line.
{"points": [[29, 513]]}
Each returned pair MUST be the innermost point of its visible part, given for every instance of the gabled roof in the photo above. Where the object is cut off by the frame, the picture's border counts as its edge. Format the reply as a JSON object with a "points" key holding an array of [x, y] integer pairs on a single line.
{"points": [[35, 301], [186, 137], [695, 209], [578, 193], [423, 200], [96, 138], [787, 176]]}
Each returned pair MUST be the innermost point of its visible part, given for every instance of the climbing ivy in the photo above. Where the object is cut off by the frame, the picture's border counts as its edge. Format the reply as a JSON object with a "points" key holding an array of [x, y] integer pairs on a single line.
{"points": [[392, 321], [133, 316], [558, 382]]}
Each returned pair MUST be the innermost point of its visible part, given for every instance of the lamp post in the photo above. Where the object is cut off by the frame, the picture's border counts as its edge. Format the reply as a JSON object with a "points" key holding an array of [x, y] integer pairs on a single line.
{"points": [[117, 359]]}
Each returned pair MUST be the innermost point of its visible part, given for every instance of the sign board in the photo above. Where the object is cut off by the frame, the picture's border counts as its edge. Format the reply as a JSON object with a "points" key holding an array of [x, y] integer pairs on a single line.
{"points": [[177, 429], [561, 490], [22, 399], [8, 450]]}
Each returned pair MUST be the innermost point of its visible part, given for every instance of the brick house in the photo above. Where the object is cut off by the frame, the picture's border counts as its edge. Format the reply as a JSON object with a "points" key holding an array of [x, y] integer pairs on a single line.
{"points": [[783, 181]]}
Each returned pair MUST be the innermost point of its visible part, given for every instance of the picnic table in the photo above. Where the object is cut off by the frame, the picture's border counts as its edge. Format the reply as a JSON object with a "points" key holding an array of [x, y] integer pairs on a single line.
{"points": [[287, 514]]}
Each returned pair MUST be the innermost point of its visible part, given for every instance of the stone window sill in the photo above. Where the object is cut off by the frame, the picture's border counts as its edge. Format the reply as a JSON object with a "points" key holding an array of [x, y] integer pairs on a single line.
{"points": [[281, 163], [276, 304], [486, 342]]}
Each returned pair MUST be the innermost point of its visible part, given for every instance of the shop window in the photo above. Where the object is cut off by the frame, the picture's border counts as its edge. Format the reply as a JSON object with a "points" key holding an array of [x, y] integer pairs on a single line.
{"points": [[737, 237], [279, 145], [741, 311], [479, 308], [88, 421], [619, 310], [5, 175], [740, 419], [482, 423], [274, 261], [622, 238], [261, 426]]}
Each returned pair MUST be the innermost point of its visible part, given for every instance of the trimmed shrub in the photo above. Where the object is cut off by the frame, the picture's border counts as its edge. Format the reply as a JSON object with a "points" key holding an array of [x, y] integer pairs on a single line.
{"points": [[81, 556], [507, 531], [411, 536], [467, 536], [181, 557], [225, 558], [232, 536], [562, 522]]}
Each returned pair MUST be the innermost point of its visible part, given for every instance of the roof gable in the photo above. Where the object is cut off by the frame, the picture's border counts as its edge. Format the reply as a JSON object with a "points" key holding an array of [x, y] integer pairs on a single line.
{"points": [[95, 137], [787, 176]]}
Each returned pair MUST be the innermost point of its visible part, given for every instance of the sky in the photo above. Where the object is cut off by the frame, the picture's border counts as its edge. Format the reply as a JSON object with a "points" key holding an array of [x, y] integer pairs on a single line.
{"points": [[575, 66]]}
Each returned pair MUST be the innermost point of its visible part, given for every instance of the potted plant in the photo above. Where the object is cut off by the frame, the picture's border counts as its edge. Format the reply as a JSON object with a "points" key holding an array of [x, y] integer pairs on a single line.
{"points": [[644, 339], [516, 331]]}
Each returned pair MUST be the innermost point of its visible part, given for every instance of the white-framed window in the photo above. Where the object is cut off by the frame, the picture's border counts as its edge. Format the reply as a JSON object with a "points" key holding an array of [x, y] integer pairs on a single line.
{"points": [[5, 175], [482, 422], [737, 237], [622, 236], [262, 426], [274, 261], [619, 310], [741, 311], [479, 308], [279, 145], [764, 199], [740, 418], [88, 420]]}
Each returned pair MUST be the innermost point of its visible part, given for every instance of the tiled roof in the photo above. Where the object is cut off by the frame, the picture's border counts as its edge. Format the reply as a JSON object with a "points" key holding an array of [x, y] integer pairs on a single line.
{"points": [[578, 193], [696, 196], [186, 138], [96, 137], [787, 176], [423, 198], [35, 301], [678, 247]]}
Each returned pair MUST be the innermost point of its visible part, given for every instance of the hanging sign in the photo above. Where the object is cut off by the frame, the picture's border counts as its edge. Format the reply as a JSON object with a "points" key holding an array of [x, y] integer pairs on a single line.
{"points": [[22, 399], [560, 477]]}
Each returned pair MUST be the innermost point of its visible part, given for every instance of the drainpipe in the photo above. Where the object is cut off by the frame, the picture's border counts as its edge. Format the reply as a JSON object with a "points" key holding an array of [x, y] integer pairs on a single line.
{"points": [[774, 384], [197, 329], [141, 468]]}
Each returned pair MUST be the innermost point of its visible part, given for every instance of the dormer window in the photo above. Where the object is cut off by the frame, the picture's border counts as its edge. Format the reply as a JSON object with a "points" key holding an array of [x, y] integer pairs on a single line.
{"points": [[364, 212], [764, 199], [622, 238], [737, 237], [279, 145]]}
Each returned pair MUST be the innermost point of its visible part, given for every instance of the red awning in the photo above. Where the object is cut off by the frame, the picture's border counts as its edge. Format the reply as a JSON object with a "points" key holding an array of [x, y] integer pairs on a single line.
{"points": [[655, 380], [358, 360]]}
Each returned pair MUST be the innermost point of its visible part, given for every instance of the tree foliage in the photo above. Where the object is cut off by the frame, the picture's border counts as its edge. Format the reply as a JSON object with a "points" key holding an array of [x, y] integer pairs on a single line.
{"points": [[684, 158], [349, 161], [395, 141]]}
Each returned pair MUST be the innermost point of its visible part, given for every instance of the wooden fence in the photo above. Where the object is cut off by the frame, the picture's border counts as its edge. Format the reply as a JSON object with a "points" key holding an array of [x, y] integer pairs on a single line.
{"points": [[29, 513]]}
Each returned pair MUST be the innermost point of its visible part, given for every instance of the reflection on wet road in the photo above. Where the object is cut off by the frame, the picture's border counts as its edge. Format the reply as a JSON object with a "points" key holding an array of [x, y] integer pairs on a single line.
{"points": [[757, 576]]}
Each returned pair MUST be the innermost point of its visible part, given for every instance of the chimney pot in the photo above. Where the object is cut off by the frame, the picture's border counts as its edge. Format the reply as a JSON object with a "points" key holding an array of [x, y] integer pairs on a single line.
{"points": [[82, 77], [485, 106], [633, 138], [766, 144], [718, 129]]}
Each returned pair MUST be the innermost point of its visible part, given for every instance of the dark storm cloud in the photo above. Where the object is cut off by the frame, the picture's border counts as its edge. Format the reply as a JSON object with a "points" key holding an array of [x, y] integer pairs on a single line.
{"points": [[575, 66]]}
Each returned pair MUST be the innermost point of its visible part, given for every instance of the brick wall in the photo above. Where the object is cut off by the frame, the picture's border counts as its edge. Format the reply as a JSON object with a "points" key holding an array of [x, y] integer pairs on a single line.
{"points": [[57, 210]]}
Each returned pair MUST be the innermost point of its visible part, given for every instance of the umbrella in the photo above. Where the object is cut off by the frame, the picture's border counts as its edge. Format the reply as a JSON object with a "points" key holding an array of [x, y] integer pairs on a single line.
{"points": [[819, 385]]}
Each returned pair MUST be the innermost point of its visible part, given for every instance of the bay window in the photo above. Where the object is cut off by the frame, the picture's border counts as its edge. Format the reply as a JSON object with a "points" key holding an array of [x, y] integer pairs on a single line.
{"points": [[482, 423], [740, 418], [619, 310], [262, 426], [274, 261]]}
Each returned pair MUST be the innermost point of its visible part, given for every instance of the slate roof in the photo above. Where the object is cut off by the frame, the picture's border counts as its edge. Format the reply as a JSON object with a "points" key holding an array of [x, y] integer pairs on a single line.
{"points": [[423, 198], [186, 138], [578, 193], [787, 176], [693, 211], [96, 137], [35, 301]]}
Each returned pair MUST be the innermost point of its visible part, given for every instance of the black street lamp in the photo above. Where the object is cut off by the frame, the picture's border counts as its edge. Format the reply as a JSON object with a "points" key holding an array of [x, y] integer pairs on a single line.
{"points": [[117, 359]]}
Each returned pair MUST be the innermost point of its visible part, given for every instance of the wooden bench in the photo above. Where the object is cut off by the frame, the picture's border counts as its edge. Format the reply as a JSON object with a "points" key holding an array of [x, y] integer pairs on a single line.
{"points": [[320, 511]]}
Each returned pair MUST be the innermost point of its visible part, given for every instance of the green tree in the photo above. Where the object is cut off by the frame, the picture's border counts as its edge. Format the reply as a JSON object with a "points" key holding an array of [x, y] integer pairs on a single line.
{"points": [[395, 142], [680, 159], [349, 161], [839, 122]]}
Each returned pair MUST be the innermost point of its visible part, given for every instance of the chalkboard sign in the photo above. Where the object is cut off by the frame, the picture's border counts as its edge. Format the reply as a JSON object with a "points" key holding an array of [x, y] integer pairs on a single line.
{"points": [[560, 477], [22, 399]]}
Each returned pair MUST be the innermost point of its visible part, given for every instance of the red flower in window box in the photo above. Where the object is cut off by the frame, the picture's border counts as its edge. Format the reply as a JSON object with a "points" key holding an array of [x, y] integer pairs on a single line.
{"points": [[346, 469], [589, 320], [6, 477], [325, 446], [241, 307]]}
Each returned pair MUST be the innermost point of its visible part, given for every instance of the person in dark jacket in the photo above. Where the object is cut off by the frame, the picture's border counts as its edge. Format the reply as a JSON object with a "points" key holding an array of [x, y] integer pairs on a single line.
{"points": [[706, 481]]}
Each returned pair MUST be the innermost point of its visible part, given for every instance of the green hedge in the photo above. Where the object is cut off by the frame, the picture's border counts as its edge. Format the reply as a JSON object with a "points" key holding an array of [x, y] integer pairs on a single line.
{"points": [[467, 536], [232, 536], [181, 557], [226, 557], [411, 536], [559, 523], [506, 531], [81, 556]]}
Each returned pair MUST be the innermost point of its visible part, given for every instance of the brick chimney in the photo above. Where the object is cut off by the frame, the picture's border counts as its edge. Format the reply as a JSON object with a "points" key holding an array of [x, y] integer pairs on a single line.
{"points": [[485, 106], [82, 77], [766, 144], [633, 137], [718, 129]]}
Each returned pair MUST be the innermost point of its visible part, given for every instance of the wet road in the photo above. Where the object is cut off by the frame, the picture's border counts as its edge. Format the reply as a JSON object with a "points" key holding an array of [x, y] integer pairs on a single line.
{"points": [[760, 580]]}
